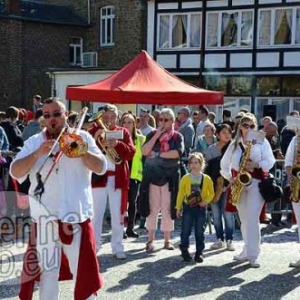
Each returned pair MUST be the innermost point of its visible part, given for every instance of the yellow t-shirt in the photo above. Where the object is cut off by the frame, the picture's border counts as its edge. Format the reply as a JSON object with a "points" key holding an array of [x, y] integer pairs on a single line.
{"points": [[207, 192]]}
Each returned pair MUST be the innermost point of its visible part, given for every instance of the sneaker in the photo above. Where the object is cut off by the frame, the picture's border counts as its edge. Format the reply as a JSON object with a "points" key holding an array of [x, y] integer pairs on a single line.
{"points": [[229, 246], [169, 246], [132, 233], [254, 263], [198, 257], [217, 245], [120, 255], [186, 256], [240, 257], [295, 264], [149, 247]]}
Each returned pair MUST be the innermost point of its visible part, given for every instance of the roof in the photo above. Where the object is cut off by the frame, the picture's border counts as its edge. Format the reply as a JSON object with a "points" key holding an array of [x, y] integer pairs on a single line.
{"points": [[44, 12]]}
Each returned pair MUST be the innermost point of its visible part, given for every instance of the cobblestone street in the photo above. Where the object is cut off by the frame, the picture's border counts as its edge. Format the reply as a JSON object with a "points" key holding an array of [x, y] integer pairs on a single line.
{"points": [[163, 275]]}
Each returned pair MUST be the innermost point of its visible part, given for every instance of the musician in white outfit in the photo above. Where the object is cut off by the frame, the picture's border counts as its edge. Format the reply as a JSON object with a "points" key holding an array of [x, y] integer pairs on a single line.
{"points": [[251, 202], [62, 215], [292, 157]]}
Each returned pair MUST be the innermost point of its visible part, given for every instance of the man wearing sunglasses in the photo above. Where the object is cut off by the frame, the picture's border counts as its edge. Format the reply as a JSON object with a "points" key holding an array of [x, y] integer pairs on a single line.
{"points": [[62, 216]]}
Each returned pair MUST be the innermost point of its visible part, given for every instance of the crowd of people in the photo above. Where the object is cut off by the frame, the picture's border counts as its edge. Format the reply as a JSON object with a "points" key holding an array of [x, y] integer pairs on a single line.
{"points": [[174, 165]]}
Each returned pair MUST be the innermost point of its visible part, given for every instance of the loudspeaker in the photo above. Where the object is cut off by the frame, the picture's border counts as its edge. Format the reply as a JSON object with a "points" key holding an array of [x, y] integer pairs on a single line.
{"points": [[270, 111]]}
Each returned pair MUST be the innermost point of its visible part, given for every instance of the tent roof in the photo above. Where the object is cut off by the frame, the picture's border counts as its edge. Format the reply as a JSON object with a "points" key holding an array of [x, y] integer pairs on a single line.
{"points": [[144, 81]]}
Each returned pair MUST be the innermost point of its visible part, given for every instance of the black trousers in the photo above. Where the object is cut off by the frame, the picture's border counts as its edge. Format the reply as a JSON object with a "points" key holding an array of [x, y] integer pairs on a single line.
{"points": [[133, 192]]}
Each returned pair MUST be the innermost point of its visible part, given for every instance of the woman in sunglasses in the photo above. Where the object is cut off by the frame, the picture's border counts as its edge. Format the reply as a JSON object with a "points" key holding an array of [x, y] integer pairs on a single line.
{"points": [[159, 187], [250, 202]]}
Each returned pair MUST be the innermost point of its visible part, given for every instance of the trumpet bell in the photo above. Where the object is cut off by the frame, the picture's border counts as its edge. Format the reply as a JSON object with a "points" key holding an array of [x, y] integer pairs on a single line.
{"points": [[94, 117], [72, 145]]}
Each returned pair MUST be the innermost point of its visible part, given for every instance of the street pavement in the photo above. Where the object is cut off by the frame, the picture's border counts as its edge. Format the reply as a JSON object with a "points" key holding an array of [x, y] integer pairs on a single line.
{"points": [[163, 275]]}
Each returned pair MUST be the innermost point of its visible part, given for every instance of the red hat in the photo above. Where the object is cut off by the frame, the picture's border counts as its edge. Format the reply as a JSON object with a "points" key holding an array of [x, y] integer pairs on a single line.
{"points": [[29, 115]]}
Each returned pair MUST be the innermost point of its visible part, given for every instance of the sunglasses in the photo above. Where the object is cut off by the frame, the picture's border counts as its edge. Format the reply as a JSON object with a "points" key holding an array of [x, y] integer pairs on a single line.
{"points": [[164, 120], [247, 126], [54, 115]]}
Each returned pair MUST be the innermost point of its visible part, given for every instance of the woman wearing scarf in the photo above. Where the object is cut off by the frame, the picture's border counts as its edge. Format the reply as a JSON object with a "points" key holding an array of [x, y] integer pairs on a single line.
{"points": [[163, 149]]}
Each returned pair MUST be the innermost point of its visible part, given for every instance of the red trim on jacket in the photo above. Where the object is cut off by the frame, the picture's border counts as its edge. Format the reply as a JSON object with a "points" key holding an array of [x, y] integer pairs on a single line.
{"points": [[85, 286]]}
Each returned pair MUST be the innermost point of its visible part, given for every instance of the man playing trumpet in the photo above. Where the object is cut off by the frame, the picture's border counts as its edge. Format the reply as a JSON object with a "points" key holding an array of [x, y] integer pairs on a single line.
{"points": [[62, 232], [114, 184]]}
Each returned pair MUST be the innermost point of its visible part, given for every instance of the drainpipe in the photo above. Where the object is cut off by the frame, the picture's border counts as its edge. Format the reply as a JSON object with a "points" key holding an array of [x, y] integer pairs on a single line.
{"points": [[89, 11], [203, 34]]}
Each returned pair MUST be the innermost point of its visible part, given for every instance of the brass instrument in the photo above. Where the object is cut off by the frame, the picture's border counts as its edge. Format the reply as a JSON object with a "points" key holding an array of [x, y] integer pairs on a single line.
{"points": [[111, 153], [243, 178], [295, 180]]}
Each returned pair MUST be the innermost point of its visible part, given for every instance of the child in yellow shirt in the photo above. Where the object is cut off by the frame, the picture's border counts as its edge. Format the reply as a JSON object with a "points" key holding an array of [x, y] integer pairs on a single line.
{"points": [[195, 192]]}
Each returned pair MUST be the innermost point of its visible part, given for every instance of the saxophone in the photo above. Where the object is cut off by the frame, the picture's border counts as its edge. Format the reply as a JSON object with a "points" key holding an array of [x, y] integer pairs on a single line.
{"points": [[111, 153], [242, 179], [295, 180]]}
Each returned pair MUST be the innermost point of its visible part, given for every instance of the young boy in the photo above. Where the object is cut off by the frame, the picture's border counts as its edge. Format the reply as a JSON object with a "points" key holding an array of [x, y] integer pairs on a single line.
{"points": [[195, 192]]}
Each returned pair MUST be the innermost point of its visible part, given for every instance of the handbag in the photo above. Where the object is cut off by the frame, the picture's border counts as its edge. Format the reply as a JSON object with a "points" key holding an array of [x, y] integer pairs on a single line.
{"points": [[22, 200], [270, 191]]}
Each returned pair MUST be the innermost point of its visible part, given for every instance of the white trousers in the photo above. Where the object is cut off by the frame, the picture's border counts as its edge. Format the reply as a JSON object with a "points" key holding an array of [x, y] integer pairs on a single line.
{"points": [[296, 208], [49, 254], [100, 196], [249, 208]]}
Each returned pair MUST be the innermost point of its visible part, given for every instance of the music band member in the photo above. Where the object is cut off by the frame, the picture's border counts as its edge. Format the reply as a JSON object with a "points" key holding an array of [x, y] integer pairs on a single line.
{"points": [[292, 159], [114, 184], [250, 202], [62, 230]]}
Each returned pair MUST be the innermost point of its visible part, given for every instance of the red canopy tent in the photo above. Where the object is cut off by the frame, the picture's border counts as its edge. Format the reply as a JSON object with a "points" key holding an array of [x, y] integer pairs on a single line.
{"points": [[143, 81]]}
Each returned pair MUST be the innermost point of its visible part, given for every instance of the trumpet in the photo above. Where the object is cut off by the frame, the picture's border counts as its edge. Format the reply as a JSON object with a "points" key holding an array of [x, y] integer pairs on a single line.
{"points": [[100, 136]]}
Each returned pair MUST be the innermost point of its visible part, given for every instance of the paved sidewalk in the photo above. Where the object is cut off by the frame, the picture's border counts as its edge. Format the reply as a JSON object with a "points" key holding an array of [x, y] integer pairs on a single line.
{"points": [[163, 274]]}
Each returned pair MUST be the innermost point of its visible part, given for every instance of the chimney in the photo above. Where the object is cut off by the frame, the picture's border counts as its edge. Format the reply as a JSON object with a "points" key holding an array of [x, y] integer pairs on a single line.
{"points": [[13, 7]]}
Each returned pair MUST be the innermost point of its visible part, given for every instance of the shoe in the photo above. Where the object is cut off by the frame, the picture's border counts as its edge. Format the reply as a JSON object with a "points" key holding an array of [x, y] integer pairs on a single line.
{"points": [[219, 244], [186, 255], [120, 255], [149, 247], [125, 235], [198, 258], [169, 246], [229, 246], [254, 263], [132, 233], [240, 257], [295, 264]]}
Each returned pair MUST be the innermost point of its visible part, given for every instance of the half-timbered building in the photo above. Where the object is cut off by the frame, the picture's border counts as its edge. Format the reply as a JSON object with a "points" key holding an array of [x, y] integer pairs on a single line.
{"points": [[250, 49]]}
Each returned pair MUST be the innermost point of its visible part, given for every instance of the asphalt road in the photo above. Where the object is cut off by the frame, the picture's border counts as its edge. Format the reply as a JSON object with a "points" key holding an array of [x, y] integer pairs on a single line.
{"points": [[163, 274]]}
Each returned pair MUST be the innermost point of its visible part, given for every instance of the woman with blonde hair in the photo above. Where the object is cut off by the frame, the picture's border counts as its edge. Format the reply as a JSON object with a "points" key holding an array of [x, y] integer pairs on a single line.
{"points": [[162, 149], [250, 203], [128, 120]]}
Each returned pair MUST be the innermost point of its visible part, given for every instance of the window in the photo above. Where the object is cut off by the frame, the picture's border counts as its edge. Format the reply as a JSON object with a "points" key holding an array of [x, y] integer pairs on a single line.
{"points": [[240, 85], [229, 29], [236, 104], [179, 31], [75, 51], [268, 86], [107, 25], [216, 83], [279, 27], [291, 86]]}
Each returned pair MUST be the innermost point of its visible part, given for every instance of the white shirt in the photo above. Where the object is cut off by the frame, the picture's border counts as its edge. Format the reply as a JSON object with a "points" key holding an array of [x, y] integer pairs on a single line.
{"points": [[68, 191], [289, 156], [260, 153], [146, 130]]}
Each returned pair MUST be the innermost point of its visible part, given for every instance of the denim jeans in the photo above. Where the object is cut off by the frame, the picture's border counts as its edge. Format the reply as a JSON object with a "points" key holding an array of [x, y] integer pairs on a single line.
{"points": [[218, 211], [193, 216]]}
